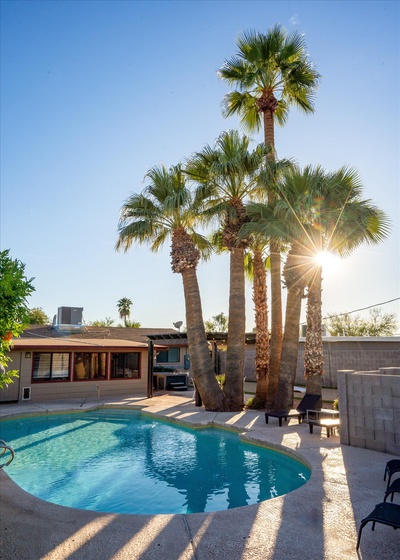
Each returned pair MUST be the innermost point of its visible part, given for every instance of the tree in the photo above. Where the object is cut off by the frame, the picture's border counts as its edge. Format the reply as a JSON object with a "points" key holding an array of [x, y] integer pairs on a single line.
{"points": [[36, 316], [279, 223], [132, 324], [226, 175], [342, 222], [14, 290], [166, 209], [271, 72], [107, 322], [294, 212], [218, 323], [124, 308], [315, 211], [257, 258], [378, 324]]}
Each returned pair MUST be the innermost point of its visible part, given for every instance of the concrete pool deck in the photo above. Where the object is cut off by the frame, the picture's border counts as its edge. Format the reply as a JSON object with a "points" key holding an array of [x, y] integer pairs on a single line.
{"points": [[318, 521]]}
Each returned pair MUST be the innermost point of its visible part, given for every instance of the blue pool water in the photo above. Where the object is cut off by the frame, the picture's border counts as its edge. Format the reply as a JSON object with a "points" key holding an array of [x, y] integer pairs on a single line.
{"points": [[120, 461]]}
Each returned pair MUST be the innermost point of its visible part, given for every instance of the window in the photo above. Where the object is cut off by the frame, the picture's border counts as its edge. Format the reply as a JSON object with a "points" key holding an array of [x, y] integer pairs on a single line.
{"points": [[90, 365], [50, 366], [168, 356], [125, 365]]}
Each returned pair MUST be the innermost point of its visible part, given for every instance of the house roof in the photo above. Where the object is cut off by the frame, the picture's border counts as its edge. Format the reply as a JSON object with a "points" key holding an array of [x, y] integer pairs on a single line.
{"points": [[117, 337], [166, 337]]}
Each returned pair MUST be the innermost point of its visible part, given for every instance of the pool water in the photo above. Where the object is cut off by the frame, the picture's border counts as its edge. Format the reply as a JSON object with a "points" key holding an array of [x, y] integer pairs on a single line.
{"points": [[120, 461]]}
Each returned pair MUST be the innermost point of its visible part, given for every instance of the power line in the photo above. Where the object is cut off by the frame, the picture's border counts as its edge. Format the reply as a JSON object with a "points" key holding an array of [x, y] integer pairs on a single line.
{"points": [[362, 308]]}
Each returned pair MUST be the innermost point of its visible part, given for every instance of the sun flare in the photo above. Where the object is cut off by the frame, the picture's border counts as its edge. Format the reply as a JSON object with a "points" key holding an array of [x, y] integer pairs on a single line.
{"points": [[329, 262]]}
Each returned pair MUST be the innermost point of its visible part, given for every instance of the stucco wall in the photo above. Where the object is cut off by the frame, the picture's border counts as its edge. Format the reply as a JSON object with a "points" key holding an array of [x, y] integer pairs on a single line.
{"points": [[369, 406], [70, 389]]}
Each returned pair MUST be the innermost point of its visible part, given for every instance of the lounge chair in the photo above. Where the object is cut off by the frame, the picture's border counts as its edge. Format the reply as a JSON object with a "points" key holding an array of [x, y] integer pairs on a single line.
{"points": [[392, 467], [308, 402], [385, 513], [394, 487]]}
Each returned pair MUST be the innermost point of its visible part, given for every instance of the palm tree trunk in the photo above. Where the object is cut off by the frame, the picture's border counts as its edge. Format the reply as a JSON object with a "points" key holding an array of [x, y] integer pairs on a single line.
{"points": [[290, 349], [276, 288], [296, 274], [262, 335], [313, 351], [276, 320], [201, 363], [234, 394], [269, 131]]}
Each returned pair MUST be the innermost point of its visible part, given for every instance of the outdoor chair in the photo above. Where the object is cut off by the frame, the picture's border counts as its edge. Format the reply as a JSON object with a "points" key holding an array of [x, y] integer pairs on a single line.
{"points": [[385, 513], [392, 467], [394, 487], [309, 401]]}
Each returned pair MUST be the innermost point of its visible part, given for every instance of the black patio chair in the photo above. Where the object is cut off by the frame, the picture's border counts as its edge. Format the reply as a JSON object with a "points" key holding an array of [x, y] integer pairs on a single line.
{"points": [[385, 513], [394, 487], [392, 467], [308, 402]]}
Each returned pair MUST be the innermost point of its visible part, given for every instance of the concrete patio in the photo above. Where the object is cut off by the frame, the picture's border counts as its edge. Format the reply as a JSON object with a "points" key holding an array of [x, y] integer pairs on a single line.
{"points": [[319, 521]]}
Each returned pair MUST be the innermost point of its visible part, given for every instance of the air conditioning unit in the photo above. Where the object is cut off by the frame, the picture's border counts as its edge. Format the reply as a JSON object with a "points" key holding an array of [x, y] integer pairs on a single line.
{"points": [[69, 315], [26, 393]]}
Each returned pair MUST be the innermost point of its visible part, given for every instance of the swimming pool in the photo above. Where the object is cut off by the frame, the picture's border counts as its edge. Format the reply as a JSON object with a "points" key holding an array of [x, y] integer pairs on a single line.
{"points": [[121, 461]]}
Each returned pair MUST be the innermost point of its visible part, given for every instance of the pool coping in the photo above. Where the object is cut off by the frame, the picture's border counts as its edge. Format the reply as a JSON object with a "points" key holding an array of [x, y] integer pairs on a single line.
{"points": [[317, 521]]}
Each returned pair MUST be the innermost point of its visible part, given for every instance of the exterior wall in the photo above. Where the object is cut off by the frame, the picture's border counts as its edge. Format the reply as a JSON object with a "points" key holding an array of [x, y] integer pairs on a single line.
{"points": [[357, 353], [56, 390], [369, 404], [180, 366]]}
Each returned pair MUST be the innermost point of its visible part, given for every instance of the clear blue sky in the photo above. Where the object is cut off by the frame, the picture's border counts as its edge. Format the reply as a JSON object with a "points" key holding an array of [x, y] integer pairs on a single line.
{"points": [[94, 93]]}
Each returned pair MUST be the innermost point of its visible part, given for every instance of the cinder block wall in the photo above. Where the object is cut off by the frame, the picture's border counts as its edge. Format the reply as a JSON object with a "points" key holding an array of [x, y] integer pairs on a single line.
{"points": [[355, 353], [369, 405]]}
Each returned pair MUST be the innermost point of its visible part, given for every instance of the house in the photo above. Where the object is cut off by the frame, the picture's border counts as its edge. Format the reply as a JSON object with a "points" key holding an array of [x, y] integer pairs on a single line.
{"points": [[77, 361]]}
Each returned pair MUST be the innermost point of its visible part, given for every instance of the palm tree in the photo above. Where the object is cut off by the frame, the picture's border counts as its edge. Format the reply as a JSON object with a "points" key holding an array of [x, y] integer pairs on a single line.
{"points": [[271, 72], [267, 385], [265, 221], [316, 211], [343, 221], [294, 213], [165, 209], [124, 308], [226, 175]]}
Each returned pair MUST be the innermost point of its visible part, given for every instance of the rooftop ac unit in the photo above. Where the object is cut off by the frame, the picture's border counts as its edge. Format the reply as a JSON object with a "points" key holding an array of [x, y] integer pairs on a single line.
{"points": [[69, 315]]}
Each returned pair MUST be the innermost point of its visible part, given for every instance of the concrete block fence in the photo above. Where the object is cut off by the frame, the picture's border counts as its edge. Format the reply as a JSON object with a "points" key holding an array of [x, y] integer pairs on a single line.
{"points": [[369, 406], [355, 353]]}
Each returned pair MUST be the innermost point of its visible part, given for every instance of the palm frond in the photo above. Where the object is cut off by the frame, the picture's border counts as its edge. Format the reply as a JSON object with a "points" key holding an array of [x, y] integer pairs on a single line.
{"points": [[166, 205]]}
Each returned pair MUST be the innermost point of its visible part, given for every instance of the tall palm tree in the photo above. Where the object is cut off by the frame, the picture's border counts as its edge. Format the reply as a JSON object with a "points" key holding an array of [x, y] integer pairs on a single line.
{"points": [[316, 211], [267, 385], [343, 221], [165, 209], [226, 175], [271, 72], [294, 213], [124, 308], [265, 221]]}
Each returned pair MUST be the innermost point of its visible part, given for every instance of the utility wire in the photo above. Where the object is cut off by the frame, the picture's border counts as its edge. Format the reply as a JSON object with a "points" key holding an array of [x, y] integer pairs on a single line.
{"points": [[361, 309]]}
